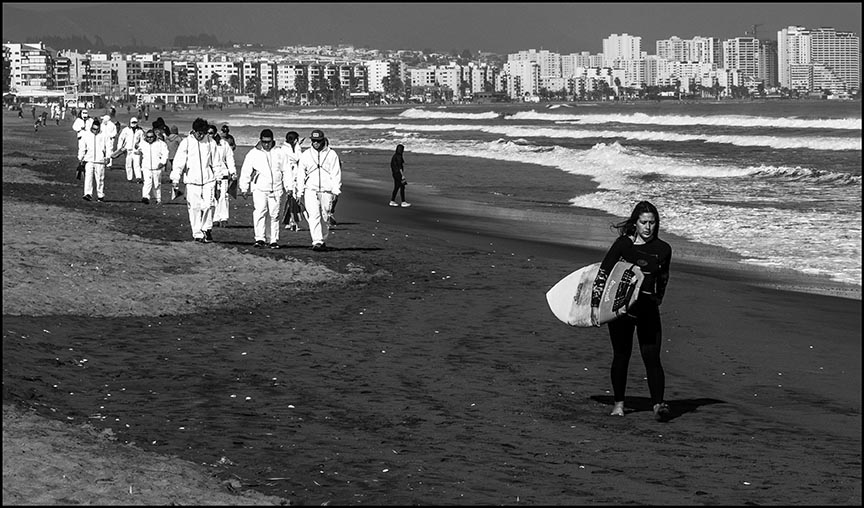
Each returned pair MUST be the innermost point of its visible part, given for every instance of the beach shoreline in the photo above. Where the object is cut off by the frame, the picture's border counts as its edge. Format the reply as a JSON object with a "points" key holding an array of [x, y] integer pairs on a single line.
{"points": [[432, 373]]}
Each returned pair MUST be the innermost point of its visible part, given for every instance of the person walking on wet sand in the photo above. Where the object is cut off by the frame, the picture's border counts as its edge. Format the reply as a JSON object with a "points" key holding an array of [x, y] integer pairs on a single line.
{"points": [[319, 182], [154, 156], [638, 243], [128, 142], [290, 157], [93, 151], [194, 164], [226, 172], [263, 174], [397, 167], [173, 141]]}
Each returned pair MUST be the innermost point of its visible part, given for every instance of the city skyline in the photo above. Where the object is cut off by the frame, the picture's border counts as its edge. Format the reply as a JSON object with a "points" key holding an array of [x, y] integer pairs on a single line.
{"points": [[493, 27]]}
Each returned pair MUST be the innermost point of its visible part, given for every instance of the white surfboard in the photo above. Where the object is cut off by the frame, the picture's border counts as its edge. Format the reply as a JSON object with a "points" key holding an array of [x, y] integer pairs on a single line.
{"points": [[570, 298]]}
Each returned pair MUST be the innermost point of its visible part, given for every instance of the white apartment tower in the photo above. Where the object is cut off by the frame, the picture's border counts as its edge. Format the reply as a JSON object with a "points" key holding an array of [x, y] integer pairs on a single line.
{"points": [[549, 62], [793, 49], [742, 53], [839, 53], [573, 61], [705, 50], [696, 50], [31, 66], [523, 78], [821, 58], [624, 47], [672, 49], [377, 70]]}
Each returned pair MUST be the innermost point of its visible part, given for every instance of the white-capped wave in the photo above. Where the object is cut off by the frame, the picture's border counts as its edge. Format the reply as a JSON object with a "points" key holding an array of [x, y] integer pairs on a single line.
{"points": [[680, 120], [779, 142], [416, 113], [516, 131]]}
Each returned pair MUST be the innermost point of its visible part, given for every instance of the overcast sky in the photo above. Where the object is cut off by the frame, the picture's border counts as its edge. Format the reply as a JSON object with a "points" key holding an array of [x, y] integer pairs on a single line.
{"points": [[496, 27]]}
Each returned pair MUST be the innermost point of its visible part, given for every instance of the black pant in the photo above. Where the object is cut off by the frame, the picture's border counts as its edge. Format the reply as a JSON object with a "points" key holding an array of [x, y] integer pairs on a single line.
{"points": [[647, 326], [292, 210], [398, 186]]}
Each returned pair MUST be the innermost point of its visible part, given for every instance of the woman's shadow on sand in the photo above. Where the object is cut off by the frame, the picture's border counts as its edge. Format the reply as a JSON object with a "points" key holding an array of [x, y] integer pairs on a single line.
{"points": [[677, 407]]}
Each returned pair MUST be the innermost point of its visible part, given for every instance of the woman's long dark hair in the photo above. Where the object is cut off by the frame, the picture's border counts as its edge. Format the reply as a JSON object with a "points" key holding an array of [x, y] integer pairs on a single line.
{"points": [[628, 227]]}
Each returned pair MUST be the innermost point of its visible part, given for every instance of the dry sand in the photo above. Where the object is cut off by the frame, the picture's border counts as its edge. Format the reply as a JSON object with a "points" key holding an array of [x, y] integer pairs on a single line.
{"points": [[416, 363]]}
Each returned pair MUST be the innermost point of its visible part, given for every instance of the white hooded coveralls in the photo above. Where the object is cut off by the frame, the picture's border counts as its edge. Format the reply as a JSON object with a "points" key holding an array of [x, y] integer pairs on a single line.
{"points": [[194, 162], [263, 173], [93, 150], [319, 179], [226, 170], [153, 158], [129, 140]]}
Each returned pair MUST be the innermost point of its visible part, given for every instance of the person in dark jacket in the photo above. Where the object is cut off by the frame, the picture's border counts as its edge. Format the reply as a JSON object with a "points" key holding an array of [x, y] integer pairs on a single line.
{"points": [[397, 167]]}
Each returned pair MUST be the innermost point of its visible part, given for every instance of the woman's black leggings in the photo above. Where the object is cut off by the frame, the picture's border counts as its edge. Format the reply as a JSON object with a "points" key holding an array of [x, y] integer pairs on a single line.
{"points": [[398, 186], [648, 329]]}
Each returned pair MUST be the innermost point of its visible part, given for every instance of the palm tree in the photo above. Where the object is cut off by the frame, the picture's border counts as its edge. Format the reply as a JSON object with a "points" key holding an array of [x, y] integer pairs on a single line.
{"points": [[215, 80], [335, 87], [253, 86]]}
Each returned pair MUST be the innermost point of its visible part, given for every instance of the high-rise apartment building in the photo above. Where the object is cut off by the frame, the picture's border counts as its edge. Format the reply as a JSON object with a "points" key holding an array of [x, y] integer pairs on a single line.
{"points": [[624, 46], [31, 66], [839, 54], [549, 62], [573, 61], [766, 63], [705, 50], [523, 78], [672, 49], [793, 49], [741, 53], [377, 70], [821, 58]]}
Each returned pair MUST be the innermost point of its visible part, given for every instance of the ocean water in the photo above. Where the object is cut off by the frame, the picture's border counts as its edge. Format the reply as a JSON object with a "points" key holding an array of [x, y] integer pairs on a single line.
{"points": [[777, 183]]}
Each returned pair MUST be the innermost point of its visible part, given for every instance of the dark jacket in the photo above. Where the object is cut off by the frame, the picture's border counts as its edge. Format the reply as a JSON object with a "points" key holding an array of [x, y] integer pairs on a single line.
{"points": [[397, 162]]}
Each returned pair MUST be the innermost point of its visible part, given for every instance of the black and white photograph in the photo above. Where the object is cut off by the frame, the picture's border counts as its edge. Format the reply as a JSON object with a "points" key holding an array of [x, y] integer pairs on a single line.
{"points": [[438, 253]]}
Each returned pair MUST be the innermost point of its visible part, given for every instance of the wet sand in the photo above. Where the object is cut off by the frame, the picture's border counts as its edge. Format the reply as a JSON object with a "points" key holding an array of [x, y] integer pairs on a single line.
{"points": [[440, 376]]}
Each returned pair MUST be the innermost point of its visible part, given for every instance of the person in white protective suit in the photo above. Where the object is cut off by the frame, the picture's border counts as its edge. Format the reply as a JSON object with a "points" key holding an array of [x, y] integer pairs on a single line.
{"points": [[128, 142], [319, 182], [264, 174], [194, 164], [154, 156]]}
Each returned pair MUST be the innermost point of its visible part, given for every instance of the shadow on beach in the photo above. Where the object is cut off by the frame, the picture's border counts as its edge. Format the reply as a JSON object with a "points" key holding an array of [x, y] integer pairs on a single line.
{"points": [[678, 407]]}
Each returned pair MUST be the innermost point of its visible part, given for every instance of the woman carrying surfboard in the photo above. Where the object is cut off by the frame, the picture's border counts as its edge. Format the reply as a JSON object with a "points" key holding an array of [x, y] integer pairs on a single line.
{"points": [[638, 243]]}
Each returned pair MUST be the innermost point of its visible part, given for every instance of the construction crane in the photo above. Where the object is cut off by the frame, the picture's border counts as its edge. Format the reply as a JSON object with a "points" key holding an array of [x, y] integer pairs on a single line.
{"points": [[753, 32]]}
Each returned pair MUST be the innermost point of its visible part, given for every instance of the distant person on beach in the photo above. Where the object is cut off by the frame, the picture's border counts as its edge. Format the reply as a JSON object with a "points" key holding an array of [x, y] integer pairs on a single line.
{"points": [[319, 182], [226, 173], [194, 165], [94, 152], [154, 156], [397, 168], [173, 141], [265, 176], [638, 243], [226, 135], [291, 157], [128, 142]]}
